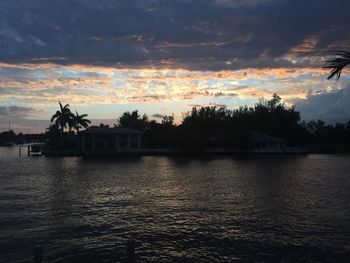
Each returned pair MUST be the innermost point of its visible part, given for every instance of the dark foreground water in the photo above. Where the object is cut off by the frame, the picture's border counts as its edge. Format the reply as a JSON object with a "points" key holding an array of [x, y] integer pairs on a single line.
{"points": [[263, 209]]}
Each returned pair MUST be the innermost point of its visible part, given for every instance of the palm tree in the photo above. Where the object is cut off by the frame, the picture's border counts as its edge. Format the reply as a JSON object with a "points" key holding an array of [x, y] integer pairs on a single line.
{"points": [[80, 121], [337, 64], [63, 117]]}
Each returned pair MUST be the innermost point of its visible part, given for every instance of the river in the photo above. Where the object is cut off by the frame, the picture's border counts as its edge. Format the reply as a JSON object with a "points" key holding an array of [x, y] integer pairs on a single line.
{"points": [[222, 209]]}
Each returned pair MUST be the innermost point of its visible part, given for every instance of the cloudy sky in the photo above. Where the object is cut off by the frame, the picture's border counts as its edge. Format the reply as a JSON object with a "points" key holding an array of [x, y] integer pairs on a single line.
{"points": [[165, 56]]}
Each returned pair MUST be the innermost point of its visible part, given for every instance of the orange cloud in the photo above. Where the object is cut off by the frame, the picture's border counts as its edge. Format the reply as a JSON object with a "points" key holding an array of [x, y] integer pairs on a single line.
{"points": [[307, 46], [43, 84]]}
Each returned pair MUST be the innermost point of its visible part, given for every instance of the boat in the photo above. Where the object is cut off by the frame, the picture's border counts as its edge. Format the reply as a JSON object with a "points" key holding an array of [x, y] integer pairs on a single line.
{"points": [[36, 149]]}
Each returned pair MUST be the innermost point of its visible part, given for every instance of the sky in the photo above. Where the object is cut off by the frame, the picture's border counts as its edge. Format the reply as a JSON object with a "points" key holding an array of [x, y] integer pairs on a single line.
{"points": [[162, 57]]}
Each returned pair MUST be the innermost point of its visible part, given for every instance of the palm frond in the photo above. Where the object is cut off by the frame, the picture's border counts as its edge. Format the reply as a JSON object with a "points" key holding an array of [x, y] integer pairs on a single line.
{"points": [[57, 122], [80, 121], [60, 105], [85, 124], [57, 114], [64, 108], [337, 63]]}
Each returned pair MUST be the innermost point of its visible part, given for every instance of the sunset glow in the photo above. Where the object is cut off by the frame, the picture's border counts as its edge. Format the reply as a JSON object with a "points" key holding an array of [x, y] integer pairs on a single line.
{"points": [[208, 61]]}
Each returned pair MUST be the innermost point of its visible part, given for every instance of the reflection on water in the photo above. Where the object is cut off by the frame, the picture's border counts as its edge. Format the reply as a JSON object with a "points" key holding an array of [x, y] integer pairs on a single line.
{"points": [[176, 209]]}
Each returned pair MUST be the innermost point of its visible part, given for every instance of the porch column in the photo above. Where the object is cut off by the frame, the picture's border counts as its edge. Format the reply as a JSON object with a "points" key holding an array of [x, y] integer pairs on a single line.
{"points": [[138, 141], [115, 142], [82, 142], [129, 144], [93, 142]]}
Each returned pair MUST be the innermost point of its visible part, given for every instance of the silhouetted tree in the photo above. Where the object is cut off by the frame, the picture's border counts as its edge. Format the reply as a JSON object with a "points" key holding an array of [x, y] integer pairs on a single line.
{"points": [[267, 116], [160, 135], [201, 127], [79, 121], [133, 120], [168, 120], [7, 136], [63, 117]]}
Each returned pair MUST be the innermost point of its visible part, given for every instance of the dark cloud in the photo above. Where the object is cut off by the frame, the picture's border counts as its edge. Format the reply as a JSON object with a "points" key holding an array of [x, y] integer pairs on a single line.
{"points": [[158, 116], [195, 34], [16, 111], [210, 104], [222, 94], [331, 106]]}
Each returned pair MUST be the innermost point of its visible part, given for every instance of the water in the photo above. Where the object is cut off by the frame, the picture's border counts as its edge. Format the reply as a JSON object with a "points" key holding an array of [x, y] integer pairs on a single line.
{"points": [[263, 209]]}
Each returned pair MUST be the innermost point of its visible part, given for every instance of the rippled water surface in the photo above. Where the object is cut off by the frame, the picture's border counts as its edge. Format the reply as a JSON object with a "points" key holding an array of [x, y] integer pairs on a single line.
{"points": [[263, 209]]}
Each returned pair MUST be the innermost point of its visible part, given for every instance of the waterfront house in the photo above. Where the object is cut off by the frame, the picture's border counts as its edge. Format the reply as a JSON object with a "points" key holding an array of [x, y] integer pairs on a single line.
{"points": [[107, 140], [261, 141]]}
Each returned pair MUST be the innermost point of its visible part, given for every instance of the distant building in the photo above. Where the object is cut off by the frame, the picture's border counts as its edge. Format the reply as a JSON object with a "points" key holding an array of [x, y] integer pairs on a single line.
{"points": [[264, 141], [109, 140]]}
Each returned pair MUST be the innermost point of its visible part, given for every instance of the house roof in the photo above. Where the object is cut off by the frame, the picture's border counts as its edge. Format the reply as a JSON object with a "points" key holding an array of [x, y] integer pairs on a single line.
{"points": [[261, 137], [113, 130]]}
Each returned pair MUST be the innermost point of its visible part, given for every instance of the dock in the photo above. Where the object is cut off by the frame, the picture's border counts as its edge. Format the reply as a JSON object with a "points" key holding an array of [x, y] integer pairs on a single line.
{"points": [[35, 149]]}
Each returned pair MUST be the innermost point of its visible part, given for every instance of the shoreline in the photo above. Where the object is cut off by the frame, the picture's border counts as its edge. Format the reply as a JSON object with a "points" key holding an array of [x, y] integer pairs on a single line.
{"points": [[156, 152]]}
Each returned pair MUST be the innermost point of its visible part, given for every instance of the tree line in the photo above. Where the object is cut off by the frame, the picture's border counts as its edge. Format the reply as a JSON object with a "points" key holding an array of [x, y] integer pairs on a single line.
{"points": [[219, 127], [211, 127]]}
